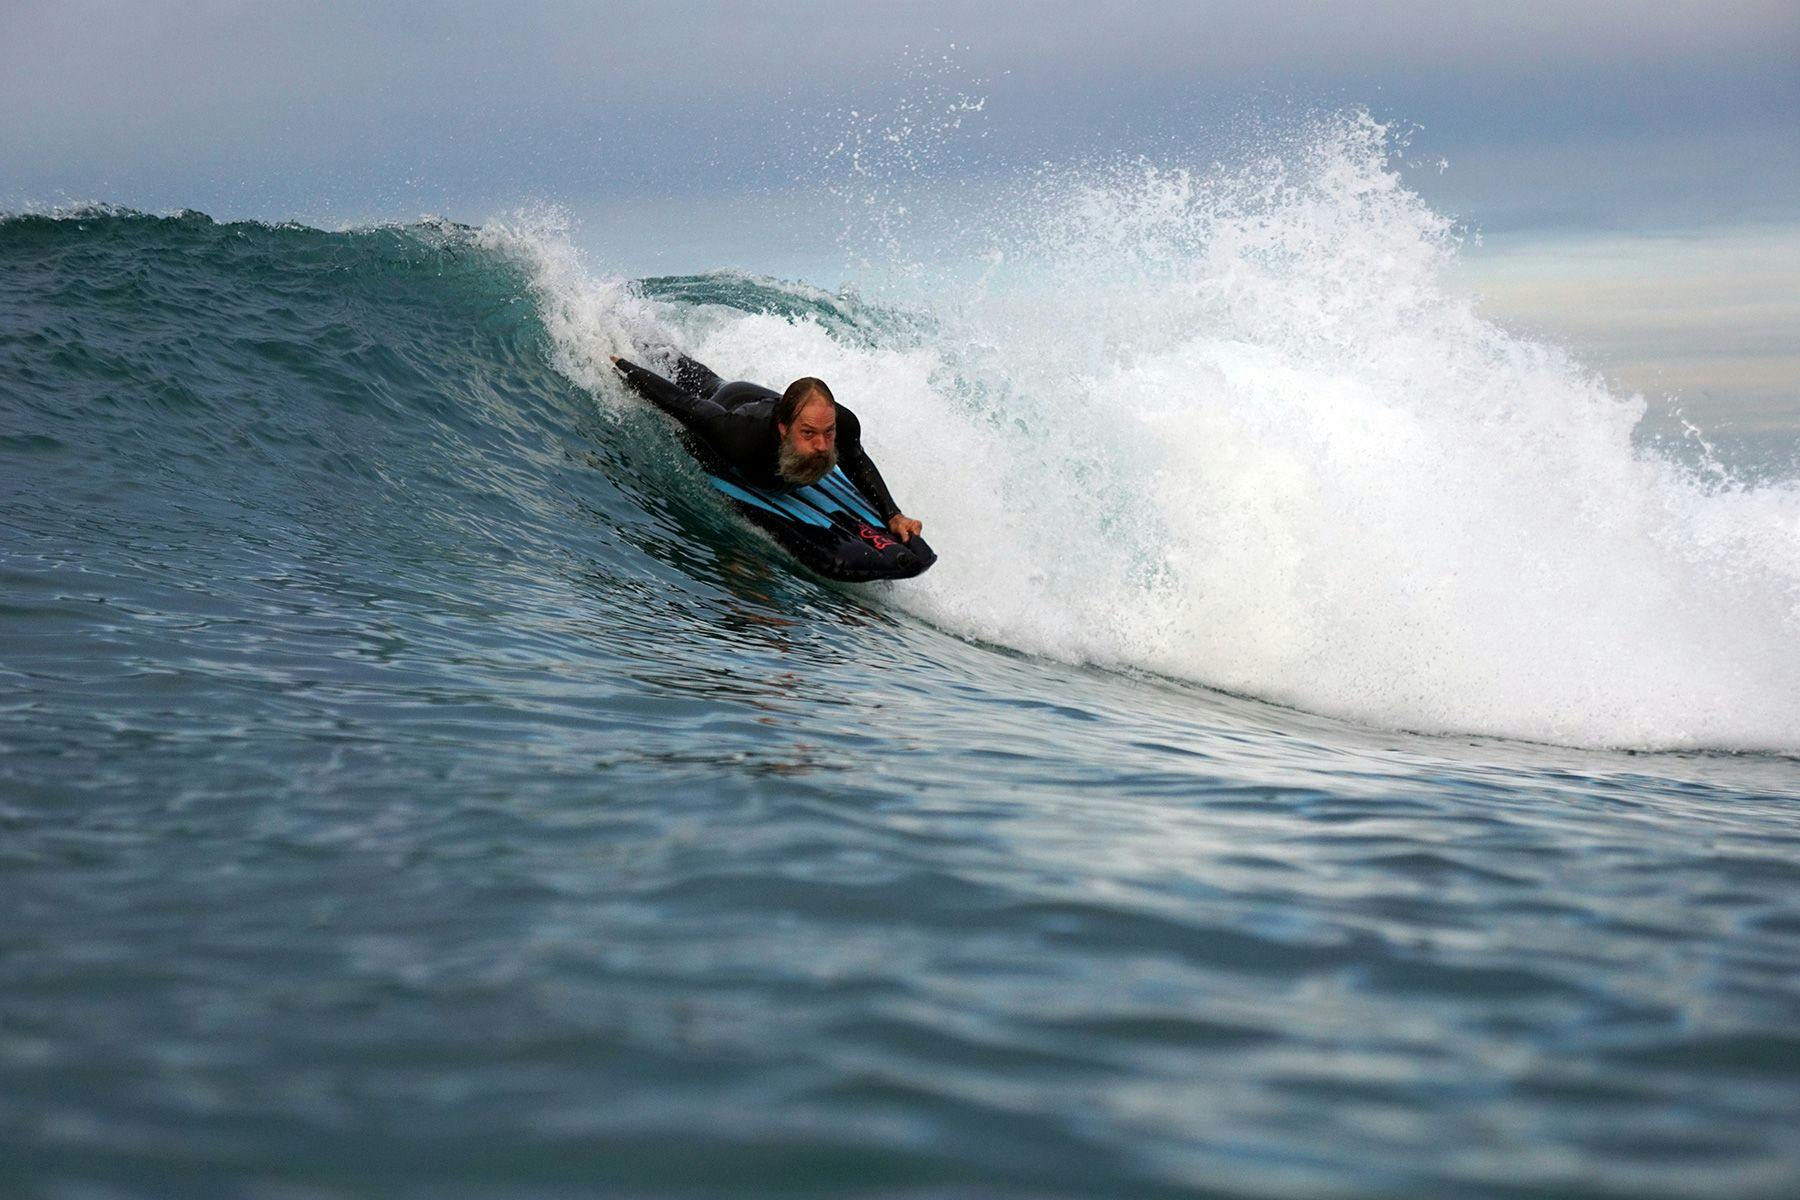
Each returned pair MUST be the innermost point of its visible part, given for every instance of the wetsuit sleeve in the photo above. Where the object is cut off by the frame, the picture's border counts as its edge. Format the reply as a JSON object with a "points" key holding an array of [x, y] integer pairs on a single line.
{"points": [[673, 399], [857, 465]]}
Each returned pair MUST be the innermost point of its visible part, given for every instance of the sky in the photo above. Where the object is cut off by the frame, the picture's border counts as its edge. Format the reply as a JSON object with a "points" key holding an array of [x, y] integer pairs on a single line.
{"points": [[1644, 155]]}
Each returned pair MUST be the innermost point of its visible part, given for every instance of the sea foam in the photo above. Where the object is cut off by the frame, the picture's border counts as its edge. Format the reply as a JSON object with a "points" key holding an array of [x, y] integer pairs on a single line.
{"points": [[1234, 426]]}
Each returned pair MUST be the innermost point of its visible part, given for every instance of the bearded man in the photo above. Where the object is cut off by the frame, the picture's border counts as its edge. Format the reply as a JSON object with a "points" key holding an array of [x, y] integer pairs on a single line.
{"points": [[774, 440]]}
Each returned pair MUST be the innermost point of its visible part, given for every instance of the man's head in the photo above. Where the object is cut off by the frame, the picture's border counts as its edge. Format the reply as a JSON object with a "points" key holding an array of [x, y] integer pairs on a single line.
{"points": [[806, 419]]}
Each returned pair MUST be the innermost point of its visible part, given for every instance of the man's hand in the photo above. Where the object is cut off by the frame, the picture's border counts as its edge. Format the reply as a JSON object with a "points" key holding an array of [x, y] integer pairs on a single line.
{"points": [[903, 526]]}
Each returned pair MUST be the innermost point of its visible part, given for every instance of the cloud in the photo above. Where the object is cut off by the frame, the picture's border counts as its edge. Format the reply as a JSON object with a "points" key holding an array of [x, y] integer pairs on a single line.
{"points": [[388, 110], [136, 82], [1706, 317]]}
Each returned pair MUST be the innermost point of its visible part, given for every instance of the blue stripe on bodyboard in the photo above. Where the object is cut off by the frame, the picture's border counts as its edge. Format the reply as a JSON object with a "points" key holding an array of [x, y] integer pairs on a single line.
{"points": [[838, 486], [811, 505], [800, 509], [818, 500], [781, 506]]}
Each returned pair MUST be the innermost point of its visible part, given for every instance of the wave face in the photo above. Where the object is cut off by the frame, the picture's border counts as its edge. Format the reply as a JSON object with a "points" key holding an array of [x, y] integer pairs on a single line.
{"points": [[414, 782]]}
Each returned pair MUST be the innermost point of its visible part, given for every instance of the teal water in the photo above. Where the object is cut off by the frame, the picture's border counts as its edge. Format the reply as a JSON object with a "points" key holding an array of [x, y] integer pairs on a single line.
{"points": [[413, 782]]}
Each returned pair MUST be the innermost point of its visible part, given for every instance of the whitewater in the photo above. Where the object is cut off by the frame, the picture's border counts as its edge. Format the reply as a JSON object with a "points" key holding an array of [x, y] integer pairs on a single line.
{"points": [[1337, 752], [1235, 428]]}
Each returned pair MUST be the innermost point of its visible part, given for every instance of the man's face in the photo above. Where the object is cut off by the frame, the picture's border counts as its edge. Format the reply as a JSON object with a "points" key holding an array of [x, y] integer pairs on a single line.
{"points": [[809, 445]]}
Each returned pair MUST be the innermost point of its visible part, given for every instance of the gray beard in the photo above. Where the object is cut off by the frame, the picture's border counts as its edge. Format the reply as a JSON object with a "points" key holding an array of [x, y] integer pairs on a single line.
{"points": [[801, 469]]}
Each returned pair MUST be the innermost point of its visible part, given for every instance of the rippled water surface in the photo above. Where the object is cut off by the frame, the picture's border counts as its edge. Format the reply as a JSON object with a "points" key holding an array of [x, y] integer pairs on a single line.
{"points": [[412, 783]]}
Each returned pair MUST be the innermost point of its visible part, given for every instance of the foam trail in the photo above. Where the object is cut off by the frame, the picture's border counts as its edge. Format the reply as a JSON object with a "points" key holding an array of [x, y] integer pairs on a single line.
{"points": [[1234, 428]]}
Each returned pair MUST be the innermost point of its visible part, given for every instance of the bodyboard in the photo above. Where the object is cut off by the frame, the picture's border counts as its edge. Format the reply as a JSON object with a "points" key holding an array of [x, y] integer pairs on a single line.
{"points": [[829, 525]]}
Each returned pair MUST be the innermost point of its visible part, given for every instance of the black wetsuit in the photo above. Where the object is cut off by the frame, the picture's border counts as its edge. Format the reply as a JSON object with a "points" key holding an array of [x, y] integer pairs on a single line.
{"points": [[736, 421]]}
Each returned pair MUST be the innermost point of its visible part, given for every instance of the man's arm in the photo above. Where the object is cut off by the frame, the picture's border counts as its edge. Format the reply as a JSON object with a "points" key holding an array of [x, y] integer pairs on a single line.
{"points": [[673, 399], [855, 462], [860, 468], [868, 480]]}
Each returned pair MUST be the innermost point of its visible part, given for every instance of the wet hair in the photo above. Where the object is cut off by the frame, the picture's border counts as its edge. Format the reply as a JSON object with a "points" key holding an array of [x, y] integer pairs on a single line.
{"points": [[799, 394]]}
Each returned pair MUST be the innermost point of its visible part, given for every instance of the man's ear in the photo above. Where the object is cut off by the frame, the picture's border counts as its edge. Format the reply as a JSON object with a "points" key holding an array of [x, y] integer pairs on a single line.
{"points": [[780, 430]]}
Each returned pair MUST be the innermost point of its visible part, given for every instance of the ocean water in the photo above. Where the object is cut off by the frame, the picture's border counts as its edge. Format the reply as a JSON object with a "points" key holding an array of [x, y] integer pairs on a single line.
{"points": [[1332, 757]]}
